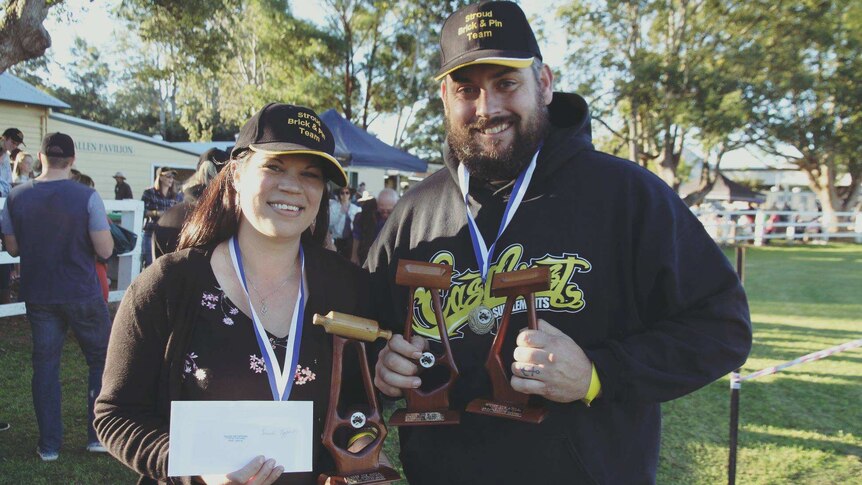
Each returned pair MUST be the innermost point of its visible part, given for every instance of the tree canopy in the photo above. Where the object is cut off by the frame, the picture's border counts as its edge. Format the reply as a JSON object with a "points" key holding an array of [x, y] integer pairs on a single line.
{"points": [[660, 76]]}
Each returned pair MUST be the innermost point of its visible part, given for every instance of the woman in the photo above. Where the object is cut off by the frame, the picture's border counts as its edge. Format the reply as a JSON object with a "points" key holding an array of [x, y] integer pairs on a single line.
{"points": [[23, 170], [341, 214], [157, 199], [166, 233], [183, 330]]}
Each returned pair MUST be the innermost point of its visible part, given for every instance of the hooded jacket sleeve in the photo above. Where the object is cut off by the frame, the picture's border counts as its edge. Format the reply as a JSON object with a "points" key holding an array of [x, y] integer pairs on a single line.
{"points": [[691, 321], [132, 418]]}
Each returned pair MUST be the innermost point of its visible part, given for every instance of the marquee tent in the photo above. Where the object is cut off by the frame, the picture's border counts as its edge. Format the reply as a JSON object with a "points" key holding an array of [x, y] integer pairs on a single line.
{"points": [[355, 147]]}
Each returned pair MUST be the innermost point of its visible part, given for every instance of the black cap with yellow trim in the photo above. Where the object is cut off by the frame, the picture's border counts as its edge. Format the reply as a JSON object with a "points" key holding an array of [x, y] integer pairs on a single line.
{"points": [[280, 129], [487, 33]]}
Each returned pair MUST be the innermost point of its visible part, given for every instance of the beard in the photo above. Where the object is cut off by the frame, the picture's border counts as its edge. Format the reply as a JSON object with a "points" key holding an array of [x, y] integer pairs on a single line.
{"points": [[501, 161]]}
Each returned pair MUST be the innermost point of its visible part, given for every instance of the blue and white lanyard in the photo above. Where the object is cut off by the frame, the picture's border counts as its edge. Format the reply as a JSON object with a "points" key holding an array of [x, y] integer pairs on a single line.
{"points": [[280, 380], [482, 251]]}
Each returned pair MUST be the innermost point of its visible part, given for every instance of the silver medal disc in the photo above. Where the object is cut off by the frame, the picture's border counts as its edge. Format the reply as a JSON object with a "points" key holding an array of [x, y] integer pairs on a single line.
{"points": [[481, 320], [427, 360], [357, 419]]}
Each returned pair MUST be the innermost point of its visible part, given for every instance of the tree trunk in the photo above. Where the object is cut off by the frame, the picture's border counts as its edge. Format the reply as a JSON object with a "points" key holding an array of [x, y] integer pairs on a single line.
{"points": [[707, 176], [22, 35], [666, 168], [821, 178], [634, 150]]}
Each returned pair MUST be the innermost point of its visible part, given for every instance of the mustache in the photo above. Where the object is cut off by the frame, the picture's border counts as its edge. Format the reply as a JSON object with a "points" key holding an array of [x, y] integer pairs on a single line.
{"points": [[484, 123]]}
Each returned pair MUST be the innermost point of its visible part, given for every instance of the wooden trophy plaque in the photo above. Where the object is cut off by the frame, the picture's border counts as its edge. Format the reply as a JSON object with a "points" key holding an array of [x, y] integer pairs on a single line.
{"points": [[431, 406], [362, 467], [507, 402]]}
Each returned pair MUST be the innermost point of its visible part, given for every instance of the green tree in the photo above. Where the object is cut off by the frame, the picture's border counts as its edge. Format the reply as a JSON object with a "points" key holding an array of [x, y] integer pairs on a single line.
{"points": [[223, 59], [806, 94], [656, 73], [89, 76]]}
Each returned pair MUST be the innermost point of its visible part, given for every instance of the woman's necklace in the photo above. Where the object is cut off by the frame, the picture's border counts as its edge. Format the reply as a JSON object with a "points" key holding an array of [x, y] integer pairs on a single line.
{"points": [[264, 309]]}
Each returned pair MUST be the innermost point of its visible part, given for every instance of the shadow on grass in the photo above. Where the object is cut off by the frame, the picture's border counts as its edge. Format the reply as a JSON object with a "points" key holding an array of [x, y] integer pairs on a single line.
{"points": [[754, 438], [766, 331], [18, 460], [785, 342]]}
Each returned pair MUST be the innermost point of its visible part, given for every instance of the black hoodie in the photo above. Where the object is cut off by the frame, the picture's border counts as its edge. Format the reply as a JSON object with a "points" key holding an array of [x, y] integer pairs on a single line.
{"points": [[636, 282]]}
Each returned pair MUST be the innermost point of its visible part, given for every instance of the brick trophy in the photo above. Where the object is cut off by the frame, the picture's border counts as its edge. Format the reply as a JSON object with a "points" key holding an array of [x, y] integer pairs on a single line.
{"points": [[427, 407], [507, 402], [362, 467]]}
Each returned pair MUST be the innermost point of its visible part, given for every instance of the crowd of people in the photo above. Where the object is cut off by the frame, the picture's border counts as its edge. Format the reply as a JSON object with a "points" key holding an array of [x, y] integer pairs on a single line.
{"points": [[643, 306]]}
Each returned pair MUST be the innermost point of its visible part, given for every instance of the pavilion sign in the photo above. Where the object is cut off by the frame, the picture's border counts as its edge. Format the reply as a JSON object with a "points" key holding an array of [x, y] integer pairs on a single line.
{"points": [[111, 148]]}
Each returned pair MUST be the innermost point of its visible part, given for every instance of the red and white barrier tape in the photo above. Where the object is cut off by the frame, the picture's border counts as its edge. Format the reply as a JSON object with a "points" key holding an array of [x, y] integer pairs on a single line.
{"points": [[736, 380]]}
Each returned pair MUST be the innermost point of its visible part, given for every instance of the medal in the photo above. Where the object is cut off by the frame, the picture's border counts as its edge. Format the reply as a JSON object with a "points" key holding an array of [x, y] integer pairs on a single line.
{"points": [[280, 377], [481, 319], [483, 252]]}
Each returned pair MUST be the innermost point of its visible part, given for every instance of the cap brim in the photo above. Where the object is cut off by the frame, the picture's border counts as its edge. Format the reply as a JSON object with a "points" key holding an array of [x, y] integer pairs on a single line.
{"points": [[335, 173], [478, 58]]}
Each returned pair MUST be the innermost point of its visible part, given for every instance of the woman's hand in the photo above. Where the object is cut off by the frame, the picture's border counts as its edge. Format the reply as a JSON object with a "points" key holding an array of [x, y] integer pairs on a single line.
{"points": [[259, 471]]}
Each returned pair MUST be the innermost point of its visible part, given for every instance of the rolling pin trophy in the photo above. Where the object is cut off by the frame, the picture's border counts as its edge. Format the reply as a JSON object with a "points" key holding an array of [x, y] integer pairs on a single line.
{"points": [[507, 402], [362, 467], [427, 407]]}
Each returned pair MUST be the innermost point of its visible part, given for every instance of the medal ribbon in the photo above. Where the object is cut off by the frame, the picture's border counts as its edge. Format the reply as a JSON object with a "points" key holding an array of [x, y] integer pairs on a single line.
{"points": [[280, 380], [480, 248]]}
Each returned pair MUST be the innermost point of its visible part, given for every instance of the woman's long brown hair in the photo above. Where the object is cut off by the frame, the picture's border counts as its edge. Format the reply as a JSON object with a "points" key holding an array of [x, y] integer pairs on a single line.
{"points": [[217, 215]]}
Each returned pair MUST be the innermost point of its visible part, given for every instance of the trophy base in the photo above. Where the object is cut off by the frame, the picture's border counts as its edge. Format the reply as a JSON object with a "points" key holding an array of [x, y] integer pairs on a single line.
{"points": [[516, 411], [382, 474], [406, 417]]}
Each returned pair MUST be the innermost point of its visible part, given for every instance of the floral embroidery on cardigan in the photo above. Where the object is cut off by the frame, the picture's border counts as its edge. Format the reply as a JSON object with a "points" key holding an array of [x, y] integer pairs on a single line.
{"points": [[213, 300], [303, 376], [256, 364]]}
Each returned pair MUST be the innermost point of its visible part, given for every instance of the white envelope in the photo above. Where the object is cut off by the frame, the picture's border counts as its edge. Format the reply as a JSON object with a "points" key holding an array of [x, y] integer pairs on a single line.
{"points": [[216, 437]]}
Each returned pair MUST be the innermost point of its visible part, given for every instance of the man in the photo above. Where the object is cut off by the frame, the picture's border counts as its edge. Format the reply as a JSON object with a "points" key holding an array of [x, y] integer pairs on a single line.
{"points": [[369, 221], [12, 138], [642, 306], [122, 190], [58, 227]]}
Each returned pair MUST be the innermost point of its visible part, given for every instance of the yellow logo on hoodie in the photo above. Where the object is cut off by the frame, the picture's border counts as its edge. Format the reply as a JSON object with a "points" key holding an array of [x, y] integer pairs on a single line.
{"points": [[467, 290]]}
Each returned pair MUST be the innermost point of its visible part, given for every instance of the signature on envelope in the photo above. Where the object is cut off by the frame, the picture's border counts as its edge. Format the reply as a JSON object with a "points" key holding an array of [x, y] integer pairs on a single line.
{"points": [[280, 432]]}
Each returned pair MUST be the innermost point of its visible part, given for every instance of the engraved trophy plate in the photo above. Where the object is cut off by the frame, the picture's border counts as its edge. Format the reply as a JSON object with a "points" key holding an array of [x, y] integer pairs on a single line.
{"points": [[424, 417]]}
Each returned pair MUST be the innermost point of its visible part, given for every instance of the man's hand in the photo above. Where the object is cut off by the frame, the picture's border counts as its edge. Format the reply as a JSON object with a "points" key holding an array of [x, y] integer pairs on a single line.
{"points": [[396, 365], [549, 363]]}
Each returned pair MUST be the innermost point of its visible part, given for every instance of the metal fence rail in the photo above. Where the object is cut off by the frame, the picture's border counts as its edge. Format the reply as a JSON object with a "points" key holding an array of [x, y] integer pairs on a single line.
{"points": [[760, 226]]}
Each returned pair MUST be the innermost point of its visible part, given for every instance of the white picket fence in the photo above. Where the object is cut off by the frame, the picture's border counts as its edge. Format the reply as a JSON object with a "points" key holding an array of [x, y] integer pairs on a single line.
{"points": [[760, 226], [126, 266]]}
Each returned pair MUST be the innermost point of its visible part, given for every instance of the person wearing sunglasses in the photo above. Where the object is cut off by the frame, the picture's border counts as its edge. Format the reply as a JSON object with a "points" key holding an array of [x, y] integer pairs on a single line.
{"points": [[341, 215]]}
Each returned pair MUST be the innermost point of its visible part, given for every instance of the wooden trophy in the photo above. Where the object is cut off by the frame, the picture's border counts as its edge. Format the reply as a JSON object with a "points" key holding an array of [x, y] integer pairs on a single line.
{"points": [[363, 467], [507, 402], [427, 407]]}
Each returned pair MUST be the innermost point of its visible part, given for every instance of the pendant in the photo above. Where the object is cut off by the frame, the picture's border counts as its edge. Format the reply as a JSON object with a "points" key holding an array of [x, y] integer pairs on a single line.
{"points": [[263, 308], [481, 319]]}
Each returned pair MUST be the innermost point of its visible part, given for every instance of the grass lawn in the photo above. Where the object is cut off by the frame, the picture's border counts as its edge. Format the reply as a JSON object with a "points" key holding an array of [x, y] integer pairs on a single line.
{"points": [[803, 425]]}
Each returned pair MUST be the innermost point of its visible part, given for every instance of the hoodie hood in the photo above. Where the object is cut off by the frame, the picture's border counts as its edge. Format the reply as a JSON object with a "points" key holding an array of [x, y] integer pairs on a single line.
{"points": [[569, 135]]}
